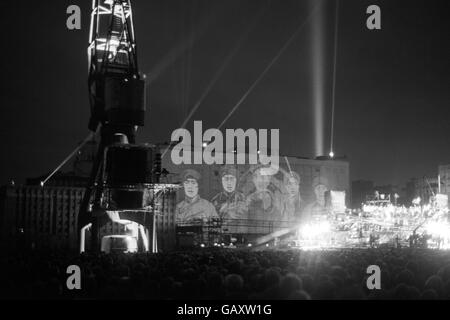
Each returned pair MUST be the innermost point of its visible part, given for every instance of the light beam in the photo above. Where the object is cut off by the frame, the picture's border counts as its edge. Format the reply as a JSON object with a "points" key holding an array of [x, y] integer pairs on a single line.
{"points": [[318, 61]]}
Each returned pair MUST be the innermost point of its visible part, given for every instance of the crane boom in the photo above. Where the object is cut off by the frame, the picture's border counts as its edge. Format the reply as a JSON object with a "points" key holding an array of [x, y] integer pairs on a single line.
{"points": [[116, 89]]}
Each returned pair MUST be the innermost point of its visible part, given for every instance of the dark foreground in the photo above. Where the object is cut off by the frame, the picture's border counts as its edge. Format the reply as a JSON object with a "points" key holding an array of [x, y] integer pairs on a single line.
{"points": [[230, 274]]}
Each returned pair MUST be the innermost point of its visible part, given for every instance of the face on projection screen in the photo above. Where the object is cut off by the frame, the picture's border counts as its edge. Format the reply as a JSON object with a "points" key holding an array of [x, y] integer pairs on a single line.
{"points": [[249, 192]]}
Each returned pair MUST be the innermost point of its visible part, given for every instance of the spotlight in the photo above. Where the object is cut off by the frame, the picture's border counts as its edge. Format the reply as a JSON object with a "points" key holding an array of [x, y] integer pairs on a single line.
{"points": [[205, 144], [202, 245], [331, 154]]}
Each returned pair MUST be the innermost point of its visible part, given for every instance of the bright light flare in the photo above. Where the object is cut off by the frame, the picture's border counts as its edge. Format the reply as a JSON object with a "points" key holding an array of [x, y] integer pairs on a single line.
{"points": [[131, 244], [312, 230], [438, 229]]}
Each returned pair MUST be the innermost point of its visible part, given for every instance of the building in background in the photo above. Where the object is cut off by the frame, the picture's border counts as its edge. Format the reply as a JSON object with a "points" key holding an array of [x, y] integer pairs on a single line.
{"points": [[444, 179], [410, 191], [424, 188], [361, 189], [32, 216], [389, 192], [38, 216], [46, 217]]}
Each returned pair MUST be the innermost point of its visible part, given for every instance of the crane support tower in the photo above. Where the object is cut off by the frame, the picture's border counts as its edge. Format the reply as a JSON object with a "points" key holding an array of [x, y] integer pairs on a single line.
{"points": [[118, 103]]}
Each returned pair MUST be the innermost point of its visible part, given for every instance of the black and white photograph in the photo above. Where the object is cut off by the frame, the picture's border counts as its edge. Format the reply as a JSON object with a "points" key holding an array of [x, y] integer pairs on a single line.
{"points": [[230, 152]]}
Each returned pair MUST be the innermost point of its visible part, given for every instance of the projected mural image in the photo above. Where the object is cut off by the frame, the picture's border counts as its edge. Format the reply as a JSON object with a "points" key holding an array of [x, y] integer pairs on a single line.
{"points": [[230, 203], [193, 207], [317, 208], [266, 194], [264, 201], [297, 191], [254, 194], [293, 203]]}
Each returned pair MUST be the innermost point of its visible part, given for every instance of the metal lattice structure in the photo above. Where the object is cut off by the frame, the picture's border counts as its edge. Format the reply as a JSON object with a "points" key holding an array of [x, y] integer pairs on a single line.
{"points": [[112, 46], [113, 65], [116, 96]]}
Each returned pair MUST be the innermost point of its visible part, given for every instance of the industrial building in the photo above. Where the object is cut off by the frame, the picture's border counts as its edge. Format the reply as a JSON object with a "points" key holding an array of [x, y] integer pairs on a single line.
{"points": [[35, 216]]}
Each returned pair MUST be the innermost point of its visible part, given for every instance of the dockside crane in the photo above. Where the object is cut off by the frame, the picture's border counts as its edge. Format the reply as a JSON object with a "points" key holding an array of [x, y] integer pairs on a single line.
{"points": [[117, 101]]}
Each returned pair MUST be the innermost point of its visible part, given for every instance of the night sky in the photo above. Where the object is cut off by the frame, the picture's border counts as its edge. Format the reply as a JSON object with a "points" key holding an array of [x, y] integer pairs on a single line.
{"points": [[392, 86]]}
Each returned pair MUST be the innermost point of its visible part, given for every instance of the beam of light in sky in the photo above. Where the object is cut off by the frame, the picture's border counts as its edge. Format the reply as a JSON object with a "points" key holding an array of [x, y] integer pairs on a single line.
{"points": [[333, 98], [317, 54], [223, 66], [277, 56], [172, 56], [74, 152], [186, 44]]}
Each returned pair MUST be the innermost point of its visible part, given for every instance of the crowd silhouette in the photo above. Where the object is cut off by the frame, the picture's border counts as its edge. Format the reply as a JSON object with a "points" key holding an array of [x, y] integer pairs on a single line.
{"points": [[230, 274]]}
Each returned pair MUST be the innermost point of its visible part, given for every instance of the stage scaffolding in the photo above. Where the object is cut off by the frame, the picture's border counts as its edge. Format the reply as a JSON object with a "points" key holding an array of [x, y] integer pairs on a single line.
{"points": [[347, 231], [225, 231]]}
